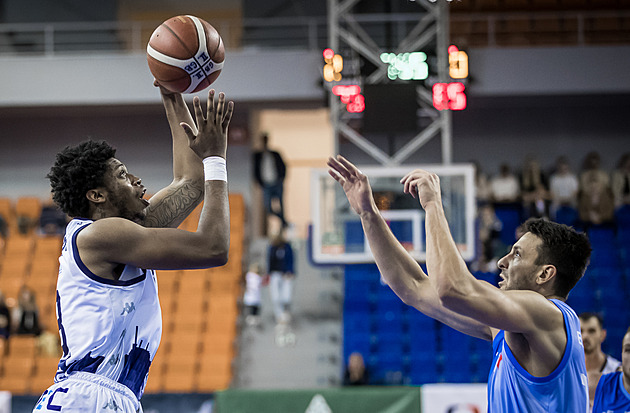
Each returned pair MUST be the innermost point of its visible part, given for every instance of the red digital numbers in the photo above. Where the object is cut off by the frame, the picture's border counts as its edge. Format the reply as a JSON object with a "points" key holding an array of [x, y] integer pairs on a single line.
{"points": [[449, 96], [351, 96]]}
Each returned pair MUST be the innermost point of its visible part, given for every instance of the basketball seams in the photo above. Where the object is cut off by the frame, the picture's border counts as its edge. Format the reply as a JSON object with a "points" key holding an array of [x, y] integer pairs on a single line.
{"points": [[199, 69], [179, 40]]}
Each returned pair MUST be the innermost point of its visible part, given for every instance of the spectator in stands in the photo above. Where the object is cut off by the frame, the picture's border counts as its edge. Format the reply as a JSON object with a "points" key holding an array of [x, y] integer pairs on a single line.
{"points": [[4, 228], [621, 181], [598, 363], [489, 239], [534, 189], [592, 172], [27, 313], [483, 191], [356, 374], [5, 318], [281, 277], [563, 185], [52, 220], [504, 186], [270, 171], [251, 298], [595, 200], [613, 389]]}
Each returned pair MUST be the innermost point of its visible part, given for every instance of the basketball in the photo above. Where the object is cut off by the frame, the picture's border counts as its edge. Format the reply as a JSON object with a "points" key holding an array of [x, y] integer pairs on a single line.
{"points": [[185, 54]]}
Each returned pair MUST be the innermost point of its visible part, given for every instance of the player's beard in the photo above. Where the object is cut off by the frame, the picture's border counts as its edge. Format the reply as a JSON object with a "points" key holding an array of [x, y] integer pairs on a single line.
{"points": [[122, 205]]}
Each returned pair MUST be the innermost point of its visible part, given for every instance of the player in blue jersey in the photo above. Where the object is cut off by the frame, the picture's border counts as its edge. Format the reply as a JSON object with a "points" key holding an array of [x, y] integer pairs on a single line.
{"points": [[613, 390], [539, 359], [108, 310]]}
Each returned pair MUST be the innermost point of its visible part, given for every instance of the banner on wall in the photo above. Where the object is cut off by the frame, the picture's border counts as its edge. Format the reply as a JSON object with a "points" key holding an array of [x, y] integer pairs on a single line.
{"points": [[454, 398], [342, 400]]}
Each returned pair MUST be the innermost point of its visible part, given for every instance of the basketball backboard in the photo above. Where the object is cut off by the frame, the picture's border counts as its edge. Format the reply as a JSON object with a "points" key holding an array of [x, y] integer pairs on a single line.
{"points": [[338, 236]]}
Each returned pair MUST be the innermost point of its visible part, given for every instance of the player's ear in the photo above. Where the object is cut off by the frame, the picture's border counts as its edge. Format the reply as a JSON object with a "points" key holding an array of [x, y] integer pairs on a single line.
{"points": [[96, 195], [547, 274]]}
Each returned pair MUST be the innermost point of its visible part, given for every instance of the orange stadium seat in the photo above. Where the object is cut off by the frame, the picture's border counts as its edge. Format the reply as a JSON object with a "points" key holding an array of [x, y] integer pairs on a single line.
{"points": [[48, 246], [180, 377], [17, 373], [215, 373], [28, 206], [22, 346]]}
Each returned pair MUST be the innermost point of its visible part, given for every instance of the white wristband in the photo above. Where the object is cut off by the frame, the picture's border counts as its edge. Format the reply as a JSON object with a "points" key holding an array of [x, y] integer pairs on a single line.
{"points": [[214, 169]]}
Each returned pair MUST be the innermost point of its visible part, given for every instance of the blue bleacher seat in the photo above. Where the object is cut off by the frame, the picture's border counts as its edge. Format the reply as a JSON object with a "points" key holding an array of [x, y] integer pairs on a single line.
{"points": [[622, 217], [423, 368], [566, 215], [510, 217]]}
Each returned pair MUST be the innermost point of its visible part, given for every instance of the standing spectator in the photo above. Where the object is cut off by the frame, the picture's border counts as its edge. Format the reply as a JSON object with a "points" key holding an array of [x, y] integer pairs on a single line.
{"points": [[356, 374], [282, 276], [598, 363], [613, 390], [534, 189], [504, 186], [270, 171], [5, 318], [563, 185], [27, 313], [621, 181], [251, 297]]}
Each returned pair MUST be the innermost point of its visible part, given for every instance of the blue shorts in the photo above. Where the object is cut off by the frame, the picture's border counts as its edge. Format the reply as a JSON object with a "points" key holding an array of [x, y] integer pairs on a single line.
{"points": [[87, 392]]}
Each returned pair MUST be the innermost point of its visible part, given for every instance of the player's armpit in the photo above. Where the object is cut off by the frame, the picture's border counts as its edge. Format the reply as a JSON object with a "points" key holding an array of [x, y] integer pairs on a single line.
{"points": [[170, 207]]}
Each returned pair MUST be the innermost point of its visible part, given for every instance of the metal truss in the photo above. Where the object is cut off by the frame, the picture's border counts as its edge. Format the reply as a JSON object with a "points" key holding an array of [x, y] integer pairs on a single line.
{"points": [[428, 31]]}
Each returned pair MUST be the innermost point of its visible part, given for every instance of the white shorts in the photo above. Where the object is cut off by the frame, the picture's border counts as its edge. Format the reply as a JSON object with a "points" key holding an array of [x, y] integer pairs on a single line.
{"points": [[87, 392]]}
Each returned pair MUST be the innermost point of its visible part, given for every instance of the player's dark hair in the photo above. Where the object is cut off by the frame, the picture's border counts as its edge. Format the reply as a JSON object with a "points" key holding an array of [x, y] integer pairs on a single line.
{"points": [[588, 315], [78, 169], [563, 247]]}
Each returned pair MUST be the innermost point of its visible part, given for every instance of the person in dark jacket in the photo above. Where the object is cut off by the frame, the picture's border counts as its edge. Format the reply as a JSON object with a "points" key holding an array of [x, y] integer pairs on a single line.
{"points": [[270, 171]]}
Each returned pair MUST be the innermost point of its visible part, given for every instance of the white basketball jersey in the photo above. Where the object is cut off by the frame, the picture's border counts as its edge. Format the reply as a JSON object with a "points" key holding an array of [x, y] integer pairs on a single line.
{"points": [[107, 327]]}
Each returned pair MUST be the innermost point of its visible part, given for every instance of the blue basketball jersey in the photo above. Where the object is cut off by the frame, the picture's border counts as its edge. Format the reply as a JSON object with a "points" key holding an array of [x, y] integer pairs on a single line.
{"points": [[511, 389], [107, 327], [611, 396]]}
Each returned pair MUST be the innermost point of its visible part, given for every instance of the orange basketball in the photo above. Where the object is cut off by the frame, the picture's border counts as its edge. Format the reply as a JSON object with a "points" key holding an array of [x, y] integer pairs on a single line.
{"points": [[185, 54]]}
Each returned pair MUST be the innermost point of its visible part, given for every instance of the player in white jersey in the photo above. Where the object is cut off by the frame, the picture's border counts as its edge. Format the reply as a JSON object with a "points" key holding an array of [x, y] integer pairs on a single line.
{"points": [[108, 310], [525, 315]]}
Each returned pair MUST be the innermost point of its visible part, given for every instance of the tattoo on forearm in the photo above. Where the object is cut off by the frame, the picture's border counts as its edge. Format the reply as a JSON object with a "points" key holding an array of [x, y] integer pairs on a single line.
{"points": [[175, 206]]}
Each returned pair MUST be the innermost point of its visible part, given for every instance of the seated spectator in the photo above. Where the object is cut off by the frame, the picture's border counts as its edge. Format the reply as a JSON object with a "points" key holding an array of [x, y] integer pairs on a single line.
{"points": [[489, 239], [504, 186], [27, 313], [621, 181], [356, 374], [595, 202], [5, 318], [591, 171], [534, 189], [52, 221], [483, 191], [563, 185]]}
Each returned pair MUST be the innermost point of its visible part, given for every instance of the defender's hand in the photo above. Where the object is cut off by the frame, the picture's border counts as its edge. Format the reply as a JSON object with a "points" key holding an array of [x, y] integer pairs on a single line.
{"points": [[423, 184], [354, 183]]}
